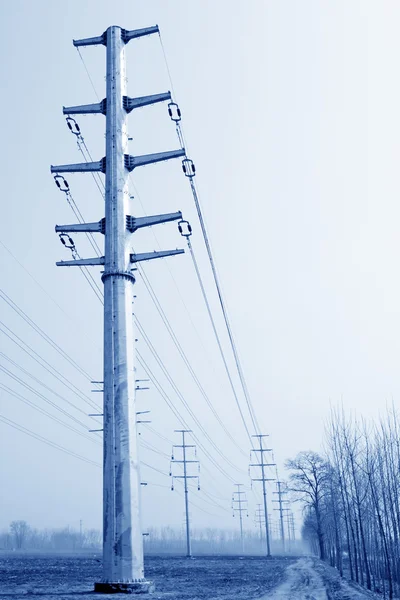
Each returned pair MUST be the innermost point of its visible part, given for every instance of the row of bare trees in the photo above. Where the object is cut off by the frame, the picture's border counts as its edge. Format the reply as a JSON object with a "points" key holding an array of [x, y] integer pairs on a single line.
{"points": [[351, 500], [21, 537]]}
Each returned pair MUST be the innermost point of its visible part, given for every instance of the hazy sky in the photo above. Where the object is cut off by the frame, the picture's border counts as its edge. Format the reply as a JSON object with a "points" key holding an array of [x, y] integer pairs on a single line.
{"points": [[290, 110]]}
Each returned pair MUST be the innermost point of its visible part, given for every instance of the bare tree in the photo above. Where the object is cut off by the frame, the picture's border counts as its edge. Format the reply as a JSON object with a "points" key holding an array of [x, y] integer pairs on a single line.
{"points": [[20, 531], [308, 481]]}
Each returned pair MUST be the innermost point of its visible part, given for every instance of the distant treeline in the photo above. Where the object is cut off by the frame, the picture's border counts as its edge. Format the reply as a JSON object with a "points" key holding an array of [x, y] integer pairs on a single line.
{"points": [[21, 537], [165, 540]]}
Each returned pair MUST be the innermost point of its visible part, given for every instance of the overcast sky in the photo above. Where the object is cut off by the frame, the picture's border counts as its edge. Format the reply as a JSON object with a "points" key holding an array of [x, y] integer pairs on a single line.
{"points": [[290, 111]]}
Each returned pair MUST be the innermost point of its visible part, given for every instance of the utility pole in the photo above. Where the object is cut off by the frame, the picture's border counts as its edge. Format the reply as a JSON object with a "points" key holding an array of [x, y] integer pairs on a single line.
{"points": [[292, 527], [239, 505], [122, 536], [280, 493], [259, 520], [262, 465], [288, 524], [185, 478]]}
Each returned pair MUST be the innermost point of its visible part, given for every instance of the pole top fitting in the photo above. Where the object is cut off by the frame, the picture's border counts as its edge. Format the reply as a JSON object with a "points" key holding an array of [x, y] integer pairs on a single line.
{"points": [[126, 35]]}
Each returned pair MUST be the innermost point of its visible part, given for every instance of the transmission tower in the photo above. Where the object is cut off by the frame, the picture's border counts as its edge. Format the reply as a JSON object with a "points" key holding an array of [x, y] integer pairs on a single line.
{"points": [[184, 446], [239, 504], [280, 493], [259, 520], [289, 525], [261, 464], [122, 536]]}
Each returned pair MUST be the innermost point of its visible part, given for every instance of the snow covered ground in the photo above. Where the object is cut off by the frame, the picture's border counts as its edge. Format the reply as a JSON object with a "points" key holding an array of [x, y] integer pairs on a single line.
{"points": [[176, 578]]}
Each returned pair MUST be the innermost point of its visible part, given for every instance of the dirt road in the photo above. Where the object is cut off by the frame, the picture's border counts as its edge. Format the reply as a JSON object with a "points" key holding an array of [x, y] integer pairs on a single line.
{"points": [[308, 579]]}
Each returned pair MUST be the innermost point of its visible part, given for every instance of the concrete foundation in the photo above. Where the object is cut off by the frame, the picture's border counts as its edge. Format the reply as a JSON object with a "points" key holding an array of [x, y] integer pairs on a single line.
{"points": [[137, 587]]}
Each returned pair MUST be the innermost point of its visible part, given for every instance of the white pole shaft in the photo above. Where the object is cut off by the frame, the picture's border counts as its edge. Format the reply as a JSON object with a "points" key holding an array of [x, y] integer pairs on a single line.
{"points": [[122, 535]]}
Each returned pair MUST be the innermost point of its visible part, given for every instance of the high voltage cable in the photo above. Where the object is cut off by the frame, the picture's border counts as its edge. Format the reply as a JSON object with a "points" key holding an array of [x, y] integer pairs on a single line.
{"points": [[75, 209], [150, 447], [84, 270], [180, 395], [15, 364], [185, 358], [49, 368], [157, 384], [194, 504], [44, 335], [38, 284], [46, 440], [154, 468], [12, 392], [217, 336], [40, 395], [33, 278], [213, 268], [88, 74]]}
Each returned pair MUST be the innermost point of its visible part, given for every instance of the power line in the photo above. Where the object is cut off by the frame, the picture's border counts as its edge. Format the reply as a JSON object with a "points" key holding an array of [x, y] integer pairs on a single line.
{"points": [[203, 291], [185, 358], [42, 383], [157, 384], [180, 395], [46, 440], [190, 175], [44, 335], [39, 395], [5, 388], [49, 368]]}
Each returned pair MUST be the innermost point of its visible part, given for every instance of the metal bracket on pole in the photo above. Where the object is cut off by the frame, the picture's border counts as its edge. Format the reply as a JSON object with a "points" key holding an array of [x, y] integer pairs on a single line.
{"points": [[86, 109], [98, 227], [82, 262], [80, 167], [131, 162], [132, 34], [156, 254], [126, 36], [134, 223], [129, 104]]}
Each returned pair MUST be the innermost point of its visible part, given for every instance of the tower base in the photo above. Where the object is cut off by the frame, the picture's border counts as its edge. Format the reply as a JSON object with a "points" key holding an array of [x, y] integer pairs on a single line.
{"points": [[137, 587]]}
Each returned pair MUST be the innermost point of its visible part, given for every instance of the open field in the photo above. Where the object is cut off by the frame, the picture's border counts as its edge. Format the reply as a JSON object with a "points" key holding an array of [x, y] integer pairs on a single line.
{"points": [[59, 578], [205, 578]]}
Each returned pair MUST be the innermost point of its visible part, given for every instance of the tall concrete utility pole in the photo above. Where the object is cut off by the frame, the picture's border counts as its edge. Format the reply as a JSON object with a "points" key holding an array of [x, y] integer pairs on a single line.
{"points": [[280, 493], [184, 446], [239, 504], [122, 536], [262, 465]]}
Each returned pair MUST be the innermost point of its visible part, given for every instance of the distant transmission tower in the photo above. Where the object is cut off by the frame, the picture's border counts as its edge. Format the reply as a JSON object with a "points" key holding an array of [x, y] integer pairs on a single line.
{"points": [[280, 493], [122, 536], [261, 464], [259, 520], [239, 504], [184, 446]]}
